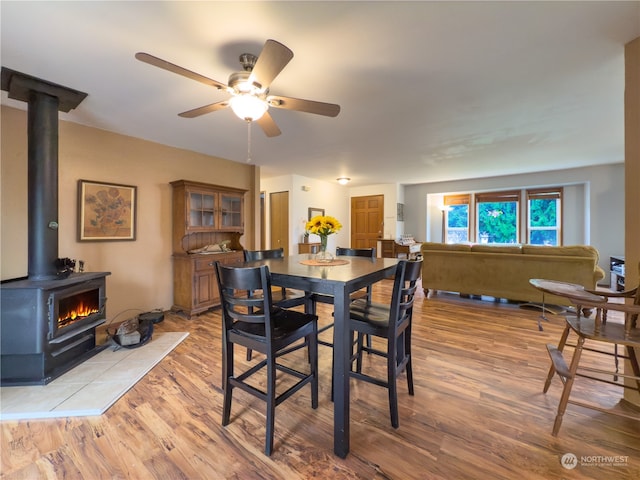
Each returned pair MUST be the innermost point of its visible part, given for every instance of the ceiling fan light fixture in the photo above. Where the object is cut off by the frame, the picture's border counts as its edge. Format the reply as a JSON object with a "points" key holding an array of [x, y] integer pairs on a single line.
{"points": [[343, 180], [248, 107], [249, 89]]}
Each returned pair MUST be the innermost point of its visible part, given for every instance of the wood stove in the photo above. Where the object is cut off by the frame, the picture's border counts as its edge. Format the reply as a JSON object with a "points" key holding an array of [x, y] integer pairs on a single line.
{"points": [[48, 320], [49, 327]]}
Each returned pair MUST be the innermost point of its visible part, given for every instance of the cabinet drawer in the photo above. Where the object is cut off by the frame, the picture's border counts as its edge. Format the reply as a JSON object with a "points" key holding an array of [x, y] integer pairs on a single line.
{"points": [[233, 258], [205, 263]]}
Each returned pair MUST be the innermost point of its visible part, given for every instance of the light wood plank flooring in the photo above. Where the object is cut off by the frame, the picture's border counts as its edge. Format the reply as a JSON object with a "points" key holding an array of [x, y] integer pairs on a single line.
{"points": [[478, 413]]}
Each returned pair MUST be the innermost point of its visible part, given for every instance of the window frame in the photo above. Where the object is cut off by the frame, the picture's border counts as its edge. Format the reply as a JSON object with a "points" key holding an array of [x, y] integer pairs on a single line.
{"points": [[449, 201], [545, 194], [505, 196]]}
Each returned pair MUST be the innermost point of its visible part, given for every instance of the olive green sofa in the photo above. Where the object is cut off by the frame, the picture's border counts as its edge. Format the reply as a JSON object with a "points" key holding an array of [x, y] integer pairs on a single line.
{"points": [[503, 271]]}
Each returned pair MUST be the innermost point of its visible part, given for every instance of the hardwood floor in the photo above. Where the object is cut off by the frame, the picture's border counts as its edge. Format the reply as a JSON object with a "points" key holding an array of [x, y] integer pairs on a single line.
{"points": [[478, 412]]}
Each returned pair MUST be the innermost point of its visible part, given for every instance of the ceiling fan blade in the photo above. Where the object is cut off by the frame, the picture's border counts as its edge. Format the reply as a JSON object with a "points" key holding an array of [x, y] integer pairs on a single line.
{"points": [[309, 106], [268, 125], [196, 112], [158, 62], [272, 59]]}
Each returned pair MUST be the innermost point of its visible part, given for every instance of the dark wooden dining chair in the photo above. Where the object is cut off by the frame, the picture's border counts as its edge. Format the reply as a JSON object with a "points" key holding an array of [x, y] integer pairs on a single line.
{"points": [[282, 297], [391, 322], [250, 319], [360, 294]]}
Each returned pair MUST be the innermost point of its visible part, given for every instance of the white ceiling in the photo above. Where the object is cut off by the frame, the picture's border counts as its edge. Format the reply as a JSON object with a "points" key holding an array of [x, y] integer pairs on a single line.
{"points": [[430, 91]]}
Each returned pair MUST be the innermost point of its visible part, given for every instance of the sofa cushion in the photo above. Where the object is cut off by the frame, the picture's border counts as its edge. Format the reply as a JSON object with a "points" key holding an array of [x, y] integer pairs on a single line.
{"points": [[570, 250], [495, 248], [458, 247]]}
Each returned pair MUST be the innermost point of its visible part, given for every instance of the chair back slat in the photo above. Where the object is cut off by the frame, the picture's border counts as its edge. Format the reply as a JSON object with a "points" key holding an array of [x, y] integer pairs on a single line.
{"points": [[404, 289], [245, 294], [356, 252], [251, 255]]}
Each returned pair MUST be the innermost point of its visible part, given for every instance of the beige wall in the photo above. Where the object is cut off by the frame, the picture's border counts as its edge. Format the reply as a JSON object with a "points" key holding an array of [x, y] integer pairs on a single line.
{"points": [[141, 271]]}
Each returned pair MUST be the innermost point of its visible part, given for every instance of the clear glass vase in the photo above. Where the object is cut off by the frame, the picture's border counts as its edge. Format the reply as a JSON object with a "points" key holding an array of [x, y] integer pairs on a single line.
{"points": [[323, 255]]}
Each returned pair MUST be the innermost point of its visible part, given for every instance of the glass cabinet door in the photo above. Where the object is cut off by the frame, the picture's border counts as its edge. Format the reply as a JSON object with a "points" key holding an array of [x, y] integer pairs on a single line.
{"points": [[230, 211], [201, 210]]}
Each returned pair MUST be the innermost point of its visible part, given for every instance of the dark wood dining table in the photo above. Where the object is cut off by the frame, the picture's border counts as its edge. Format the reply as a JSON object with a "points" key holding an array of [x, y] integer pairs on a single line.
{"points": [[338, 280]]}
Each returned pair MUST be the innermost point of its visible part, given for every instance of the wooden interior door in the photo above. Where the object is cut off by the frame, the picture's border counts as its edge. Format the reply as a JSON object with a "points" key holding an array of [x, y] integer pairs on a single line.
{"points": [[367, 221], [279, 220]]}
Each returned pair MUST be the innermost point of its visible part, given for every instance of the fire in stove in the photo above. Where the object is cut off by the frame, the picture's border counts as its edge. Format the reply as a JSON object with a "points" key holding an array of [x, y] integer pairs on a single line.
{"points": [[76, 308], [77, 313]]}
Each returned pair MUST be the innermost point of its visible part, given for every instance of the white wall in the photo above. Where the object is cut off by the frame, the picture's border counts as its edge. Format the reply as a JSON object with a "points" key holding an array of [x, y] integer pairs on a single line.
{"points": [[593, 205], [336, 201], [333, 198]]}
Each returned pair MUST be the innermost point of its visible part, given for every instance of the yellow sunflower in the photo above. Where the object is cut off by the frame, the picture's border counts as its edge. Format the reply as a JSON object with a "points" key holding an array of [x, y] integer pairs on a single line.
{"points": [[323, 225]]}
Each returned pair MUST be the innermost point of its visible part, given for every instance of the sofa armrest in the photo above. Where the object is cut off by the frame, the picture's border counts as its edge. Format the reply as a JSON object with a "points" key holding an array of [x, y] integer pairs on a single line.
{"points": [[598, 274]]}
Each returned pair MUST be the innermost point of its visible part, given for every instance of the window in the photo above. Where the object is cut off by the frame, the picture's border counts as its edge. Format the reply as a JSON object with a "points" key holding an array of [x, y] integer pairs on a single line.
{"points": [[544, 216], [532, 216], [455, 218], [497, 217]]}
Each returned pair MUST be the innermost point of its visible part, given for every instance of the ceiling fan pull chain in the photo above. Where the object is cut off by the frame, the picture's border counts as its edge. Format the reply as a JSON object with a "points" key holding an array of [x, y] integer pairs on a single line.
{"points": [[249, 141]]}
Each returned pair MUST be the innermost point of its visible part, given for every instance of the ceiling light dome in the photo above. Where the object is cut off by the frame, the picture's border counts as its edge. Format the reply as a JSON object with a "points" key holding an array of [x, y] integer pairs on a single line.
{"points": [[248, 107], [343, 180]]}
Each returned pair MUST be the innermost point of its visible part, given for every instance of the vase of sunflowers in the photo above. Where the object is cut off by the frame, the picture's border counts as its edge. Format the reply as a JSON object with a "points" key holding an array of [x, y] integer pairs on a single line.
{"points": [[323, 226]]}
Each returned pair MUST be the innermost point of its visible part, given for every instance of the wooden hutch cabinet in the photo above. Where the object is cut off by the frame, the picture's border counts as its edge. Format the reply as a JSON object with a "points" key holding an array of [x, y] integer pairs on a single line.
{"points": [[204, 217]]}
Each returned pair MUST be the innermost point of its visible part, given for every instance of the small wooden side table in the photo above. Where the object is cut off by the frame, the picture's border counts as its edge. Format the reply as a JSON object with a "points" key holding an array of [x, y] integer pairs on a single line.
{"points": [[573, 291], [308, 247]]}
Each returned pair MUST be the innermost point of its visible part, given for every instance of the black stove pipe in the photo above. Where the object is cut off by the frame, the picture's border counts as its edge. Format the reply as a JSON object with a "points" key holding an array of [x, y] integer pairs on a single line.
{"points": [[44, 100], [43, 185]]}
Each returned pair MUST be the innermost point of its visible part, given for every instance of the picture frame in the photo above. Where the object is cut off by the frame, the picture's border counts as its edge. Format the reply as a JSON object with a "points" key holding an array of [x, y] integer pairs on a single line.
{"points": [[315, 211], [106, 211], [400, 212]]}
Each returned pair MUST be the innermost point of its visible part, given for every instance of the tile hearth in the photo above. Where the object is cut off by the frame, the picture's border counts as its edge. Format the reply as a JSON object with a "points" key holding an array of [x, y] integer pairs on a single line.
{"points": [[91, 387]]}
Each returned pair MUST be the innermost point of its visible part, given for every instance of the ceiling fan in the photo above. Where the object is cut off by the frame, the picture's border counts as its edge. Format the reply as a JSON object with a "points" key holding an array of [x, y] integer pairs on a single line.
{"points": [[250, 99]]}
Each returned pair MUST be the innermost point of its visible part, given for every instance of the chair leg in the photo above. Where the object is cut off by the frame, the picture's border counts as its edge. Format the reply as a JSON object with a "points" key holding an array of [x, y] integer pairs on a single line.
{"points": [[409, 368], [359, 345], [369, 294], [227, 388], [312, 346], [310, 305], [271, 402], [633, 360], [332, 377], [552, 370], [392, 385], [568, 384], [249, 354]]}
